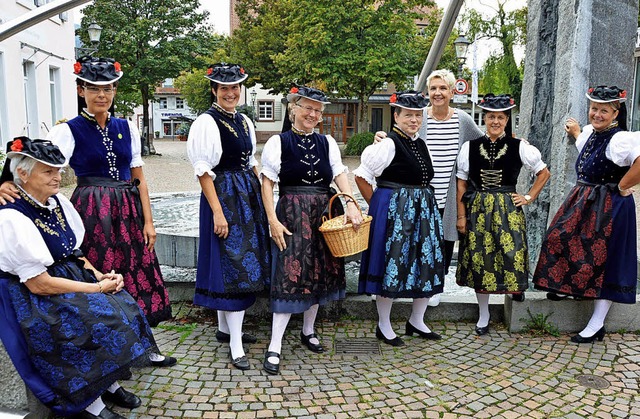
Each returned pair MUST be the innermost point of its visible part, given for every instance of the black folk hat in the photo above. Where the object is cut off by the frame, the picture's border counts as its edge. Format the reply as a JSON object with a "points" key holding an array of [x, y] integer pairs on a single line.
{"points": [[606, 94], [226, 73], [43, 151], [307, 93], [409, 99], [500, 103], [98, 71]]}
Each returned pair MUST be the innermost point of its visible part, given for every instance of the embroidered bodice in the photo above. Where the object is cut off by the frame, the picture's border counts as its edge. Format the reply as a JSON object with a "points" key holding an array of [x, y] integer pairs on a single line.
{"points": [[593, 166], [411, 164], [494, 164], [235, 139], [305, 159]]}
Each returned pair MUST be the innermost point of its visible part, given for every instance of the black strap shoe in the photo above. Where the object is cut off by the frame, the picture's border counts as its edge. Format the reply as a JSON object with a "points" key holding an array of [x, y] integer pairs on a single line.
{"points": [[122, 398], [393, 342], [270, 368], [313, 347], [411, 329], [241, 362], [168, 361]]}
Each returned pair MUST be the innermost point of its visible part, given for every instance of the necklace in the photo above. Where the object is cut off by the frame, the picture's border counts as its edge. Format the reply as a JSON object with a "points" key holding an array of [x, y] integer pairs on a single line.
{"points": [[433, 115]]}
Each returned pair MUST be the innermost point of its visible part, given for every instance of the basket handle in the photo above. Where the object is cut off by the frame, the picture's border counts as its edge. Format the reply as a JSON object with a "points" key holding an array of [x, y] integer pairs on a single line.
{"points": [[348, 196]]}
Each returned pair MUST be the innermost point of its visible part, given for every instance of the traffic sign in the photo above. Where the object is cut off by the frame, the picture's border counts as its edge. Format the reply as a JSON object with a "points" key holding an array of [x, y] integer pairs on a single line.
{"points": [[460, 99], [461, 86]]}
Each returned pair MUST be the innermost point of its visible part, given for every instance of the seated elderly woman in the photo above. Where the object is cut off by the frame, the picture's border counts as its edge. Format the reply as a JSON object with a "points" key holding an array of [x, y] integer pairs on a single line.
{"points": [[70, 330]]}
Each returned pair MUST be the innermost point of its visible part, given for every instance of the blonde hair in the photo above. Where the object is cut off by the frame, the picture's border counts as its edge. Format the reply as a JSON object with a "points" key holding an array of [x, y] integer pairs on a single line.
{"points": [[446, 76]]}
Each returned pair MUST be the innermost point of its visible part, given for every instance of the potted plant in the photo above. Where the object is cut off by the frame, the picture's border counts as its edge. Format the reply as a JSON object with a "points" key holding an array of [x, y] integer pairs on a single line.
{"points": [[183, 132]]}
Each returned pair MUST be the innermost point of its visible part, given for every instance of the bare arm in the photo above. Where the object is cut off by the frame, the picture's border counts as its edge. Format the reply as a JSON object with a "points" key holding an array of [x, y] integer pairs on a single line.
{"points": [[541, 179], [149, 230], [220, 225], [461, 223], [277, 229], [45, 284], [366, 190], [630, 179]]}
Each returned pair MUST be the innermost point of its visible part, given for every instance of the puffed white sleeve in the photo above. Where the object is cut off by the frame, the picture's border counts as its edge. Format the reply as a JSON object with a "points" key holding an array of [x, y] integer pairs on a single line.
{"points": [[271, 159], [463, 162], [23, 252], [531, 157], [587, 130], [252, 134], [335, 159], [624, 148], [136, 146], [204, 147], [61, 136], [375, 158], [73, 218]]}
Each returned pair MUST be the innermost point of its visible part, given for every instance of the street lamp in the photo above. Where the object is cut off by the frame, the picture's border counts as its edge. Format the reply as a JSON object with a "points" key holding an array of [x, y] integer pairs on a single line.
{"points": [[461, 43], [253, 95], [94, 30]]}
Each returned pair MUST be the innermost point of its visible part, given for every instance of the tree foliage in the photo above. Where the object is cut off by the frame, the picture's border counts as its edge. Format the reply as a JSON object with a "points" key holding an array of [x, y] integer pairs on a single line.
{"points": [[501, 73], [347, 48], [152, 39]]}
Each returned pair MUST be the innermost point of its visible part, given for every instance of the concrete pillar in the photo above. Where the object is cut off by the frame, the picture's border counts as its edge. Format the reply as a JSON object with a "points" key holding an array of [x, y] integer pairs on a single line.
{"points": [[571, 45]]}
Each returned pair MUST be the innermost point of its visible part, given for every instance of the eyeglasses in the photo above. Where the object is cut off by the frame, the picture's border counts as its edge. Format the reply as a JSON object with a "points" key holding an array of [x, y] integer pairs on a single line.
{"points": [[310, 110], [96, 90]]}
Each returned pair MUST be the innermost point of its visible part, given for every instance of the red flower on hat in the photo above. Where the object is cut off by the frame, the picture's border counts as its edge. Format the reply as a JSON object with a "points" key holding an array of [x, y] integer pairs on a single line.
{"points": [[590, 90], [77, 67], [623, 94], [241, 70], [209, 71], [17, 145], [117, 66], [511, 101], [393, 98], [293, 90]]}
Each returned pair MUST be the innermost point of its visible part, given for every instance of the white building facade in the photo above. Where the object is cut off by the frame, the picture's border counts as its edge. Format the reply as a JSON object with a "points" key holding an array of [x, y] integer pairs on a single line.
{"points": [[37, 84]]}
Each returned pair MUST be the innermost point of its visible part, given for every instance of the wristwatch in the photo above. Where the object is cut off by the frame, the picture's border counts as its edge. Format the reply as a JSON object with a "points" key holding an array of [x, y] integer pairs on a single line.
{"points": [[527, 198]]}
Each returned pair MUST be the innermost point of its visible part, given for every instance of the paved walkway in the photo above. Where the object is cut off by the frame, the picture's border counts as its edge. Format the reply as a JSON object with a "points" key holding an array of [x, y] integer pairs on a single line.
{"points": [[501, 375]]}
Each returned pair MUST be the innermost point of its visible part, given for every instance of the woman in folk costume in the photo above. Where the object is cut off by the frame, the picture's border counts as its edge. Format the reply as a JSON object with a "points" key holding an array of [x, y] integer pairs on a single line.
{"points": [[590, 248], [305, 274], [234, 253], [493, 257], [405, 258]]}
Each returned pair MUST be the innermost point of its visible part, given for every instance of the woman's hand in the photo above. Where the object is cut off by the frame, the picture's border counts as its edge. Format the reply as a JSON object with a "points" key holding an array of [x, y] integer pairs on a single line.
{"points": [[150, 236], [111, 282], [8, 192], [519, 200], [461, 224], [626, 192], [572, 127], [380, 135], [220, 225], [353, 214], [278, 230]]}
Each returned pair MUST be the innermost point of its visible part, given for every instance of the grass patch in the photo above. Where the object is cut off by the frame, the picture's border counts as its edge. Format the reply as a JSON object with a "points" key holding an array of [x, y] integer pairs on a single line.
{"points": [[185, 330], [538, 325]]}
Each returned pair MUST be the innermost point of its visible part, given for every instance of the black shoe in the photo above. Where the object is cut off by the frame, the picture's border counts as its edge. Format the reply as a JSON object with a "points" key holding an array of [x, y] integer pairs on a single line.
{"points": [[122, 398], [482, 330], [556, 297], [411, 329], [598, 335], [225, 337], [270, 368], [518, 296], [241, 362], [393, 342], [166, 362], [313, 347], [104, 414]]}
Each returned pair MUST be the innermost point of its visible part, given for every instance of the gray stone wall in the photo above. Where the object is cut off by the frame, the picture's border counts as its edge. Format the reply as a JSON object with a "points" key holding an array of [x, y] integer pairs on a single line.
{"points": [[571, 45], [14, 397]]}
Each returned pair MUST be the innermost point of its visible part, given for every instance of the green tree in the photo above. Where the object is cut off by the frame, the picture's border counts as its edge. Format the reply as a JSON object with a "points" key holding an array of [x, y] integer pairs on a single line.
{"points": [[347, 48], [501, 73], [152, 39]]}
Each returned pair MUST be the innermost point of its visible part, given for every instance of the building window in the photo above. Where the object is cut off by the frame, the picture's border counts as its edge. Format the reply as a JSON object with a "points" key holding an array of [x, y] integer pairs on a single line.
{"points": [[265, 110], [4, 129], [179, 103], [54, 95], [30, 99], [163, 103]]}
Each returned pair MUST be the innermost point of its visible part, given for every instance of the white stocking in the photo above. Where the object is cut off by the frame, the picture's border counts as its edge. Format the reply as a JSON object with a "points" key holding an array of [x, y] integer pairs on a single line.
{"points": [[309, 320], [600, 310], [222, 322], [234, 321], [96, 407], [278, 327], [483, 308], [384, 305], [418, 308]]}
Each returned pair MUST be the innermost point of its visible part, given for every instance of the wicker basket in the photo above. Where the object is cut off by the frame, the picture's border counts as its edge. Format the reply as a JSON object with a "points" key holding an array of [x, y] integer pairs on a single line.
{"points": [[341, 238]]}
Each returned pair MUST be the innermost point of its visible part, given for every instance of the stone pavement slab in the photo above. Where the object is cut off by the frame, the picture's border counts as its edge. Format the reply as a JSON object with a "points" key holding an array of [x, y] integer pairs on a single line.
{"points": [[500, 375]]}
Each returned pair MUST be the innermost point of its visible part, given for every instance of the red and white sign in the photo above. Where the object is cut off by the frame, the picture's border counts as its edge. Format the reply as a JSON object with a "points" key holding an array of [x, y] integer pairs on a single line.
{"points": [[461, 86]]}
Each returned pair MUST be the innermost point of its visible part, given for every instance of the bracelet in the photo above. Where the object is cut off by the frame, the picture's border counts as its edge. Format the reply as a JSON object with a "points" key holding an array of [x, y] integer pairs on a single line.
{"points": [[100, 285], [619, 188], [349, 200]]}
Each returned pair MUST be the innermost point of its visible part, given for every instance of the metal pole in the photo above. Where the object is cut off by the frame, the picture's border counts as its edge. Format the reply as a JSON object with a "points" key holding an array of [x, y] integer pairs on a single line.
{"points": [[37, 15], [439, 43]]}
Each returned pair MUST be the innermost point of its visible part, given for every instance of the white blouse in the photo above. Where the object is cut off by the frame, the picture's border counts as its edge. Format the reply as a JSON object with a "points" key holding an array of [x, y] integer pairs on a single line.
{"points": [[272, 158], [23, 251], [623, 149], [529, 156], [61, 136], [204, 146], [377, 157]]}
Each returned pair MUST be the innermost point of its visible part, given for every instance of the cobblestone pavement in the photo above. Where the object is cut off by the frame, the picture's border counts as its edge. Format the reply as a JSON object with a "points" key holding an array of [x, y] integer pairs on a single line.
{"points": [[499, 375]]}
